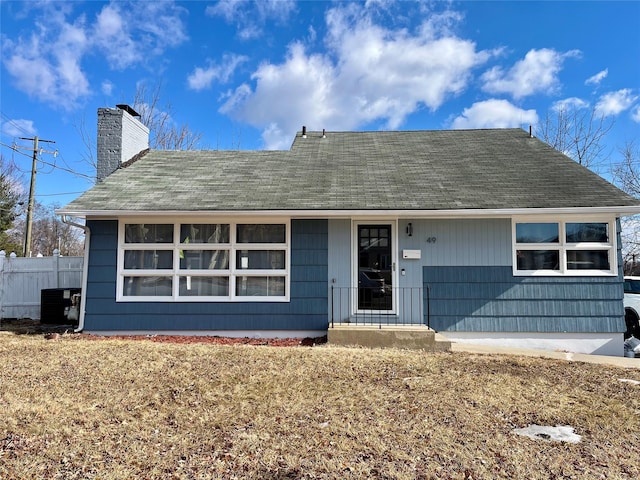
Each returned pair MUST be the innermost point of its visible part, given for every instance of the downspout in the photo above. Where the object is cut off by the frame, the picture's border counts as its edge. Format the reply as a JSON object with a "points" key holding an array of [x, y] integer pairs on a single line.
{"points": [[85, 270]]}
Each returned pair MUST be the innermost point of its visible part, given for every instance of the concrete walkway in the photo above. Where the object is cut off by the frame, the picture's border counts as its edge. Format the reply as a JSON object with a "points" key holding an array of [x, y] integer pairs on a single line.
{"points": [[624, 362]]}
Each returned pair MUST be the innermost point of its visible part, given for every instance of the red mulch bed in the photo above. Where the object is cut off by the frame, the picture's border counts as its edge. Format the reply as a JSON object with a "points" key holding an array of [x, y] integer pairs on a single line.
{"points": [[55, 332], [214, 340]]}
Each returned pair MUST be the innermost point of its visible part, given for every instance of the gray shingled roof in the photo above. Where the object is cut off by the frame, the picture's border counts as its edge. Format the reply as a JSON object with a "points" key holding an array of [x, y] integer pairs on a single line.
{"points": [[414, 170]]}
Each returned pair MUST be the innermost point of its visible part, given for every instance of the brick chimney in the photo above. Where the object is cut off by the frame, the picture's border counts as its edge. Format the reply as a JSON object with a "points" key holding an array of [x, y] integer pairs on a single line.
{"points": [[121, 136]]}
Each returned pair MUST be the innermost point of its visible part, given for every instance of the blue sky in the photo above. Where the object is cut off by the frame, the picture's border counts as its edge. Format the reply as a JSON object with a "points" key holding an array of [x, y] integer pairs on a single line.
{"points": [[248, 75]]}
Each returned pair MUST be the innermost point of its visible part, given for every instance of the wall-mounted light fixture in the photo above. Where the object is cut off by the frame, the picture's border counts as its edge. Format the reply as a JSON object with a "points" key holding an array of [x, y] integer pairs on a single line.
{"points": [[409, 229]]}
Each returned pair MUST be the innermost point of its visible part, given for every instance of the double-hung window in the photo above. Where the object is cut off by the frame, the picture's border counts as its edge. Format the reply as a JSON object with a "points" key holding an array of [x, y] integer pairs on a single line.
{"points": [[564, 247], [217, 261]]}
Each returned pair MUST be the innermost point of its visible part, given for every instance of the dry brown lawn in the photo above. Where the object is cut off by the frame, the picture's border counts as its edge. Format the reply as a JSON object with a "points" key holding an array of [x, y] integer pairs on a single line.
{"points": [[119, 409]]}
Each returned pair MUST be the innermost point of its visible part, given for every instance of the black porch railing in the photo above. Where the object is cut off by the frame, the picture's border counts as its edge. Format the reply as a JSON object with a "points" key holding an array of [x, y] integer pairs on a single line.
{"points": [[393, 306]]}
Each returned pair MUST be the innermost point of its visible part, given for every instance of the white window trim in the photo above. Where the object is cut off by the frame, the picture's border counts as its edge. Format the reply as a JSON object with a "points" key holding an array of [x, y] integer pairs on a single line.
{"points": [[175, 273], [562, 246]]}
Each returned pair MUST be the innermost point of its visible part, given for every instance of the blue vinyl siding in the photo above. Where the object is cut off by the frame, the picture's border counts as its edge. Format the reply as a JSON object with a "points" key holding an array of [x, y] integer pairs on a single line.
{"points": [[339, 273], [457, 242], [491, 299], [340, 252], [306, 310]]}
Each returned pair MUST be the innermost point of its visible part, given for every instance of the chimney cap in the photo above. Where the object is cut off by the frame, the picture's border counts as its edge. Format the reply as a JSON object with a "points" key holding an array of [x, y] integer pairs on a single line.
{"points": [[128, 109]]}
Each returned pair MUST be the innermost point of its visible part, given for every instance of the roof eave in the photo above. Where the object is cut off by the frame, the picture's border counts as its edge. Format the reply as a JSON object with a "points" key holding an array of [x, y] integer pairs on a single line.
{"points": [[620, 211]]}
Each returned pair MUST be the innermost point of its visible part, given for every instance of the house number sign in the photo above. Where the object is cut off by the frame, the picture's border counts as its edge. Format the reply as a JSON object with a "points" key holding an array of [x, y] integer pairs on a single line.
{"points": [[431, 239]]}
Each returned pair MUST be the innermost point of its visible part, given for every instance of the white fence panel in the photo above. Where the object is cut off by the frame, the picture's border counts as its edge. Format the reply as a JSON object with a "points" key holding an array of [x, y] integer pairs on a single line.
{"points": [[22, 279]]}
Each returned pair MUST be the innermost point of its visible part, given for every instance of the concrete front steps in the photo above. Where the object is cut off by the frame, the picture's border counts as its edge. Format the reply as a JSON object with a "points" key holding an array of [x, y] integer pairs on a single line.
{"points": [[412, 337]]}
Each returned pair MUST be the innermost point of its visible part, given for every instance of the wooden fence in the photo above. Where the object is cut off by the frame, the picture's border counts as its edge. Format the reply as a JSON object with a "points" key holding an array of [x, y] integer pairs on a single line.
{"points": [[23, 279]]}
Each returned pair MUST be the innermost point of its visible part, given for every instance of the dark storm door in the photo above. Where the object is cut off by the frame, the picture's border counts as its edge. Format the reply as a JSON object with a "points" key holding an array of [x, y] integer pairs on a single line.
{"points": [[375, 265]]}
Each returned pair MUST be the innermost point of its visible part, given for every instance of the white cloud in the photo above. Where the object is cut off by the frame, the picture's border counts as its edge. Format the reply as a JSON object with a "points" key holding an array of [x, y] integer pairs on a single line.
{"points": [[597, 78], [635, 114], [34, 75], [158, 25], [107, 87], [277, 139], [613, 103], [130, 35], [277, 9], [377, 3], [55, 78], [537, 72], [46, 65], [286, 95], [227, 9], [202, 78], [250, 17], [494, 113], [368, 74], [440, 24], [114, 40], [49, 63], [250, 32], [18, 128], [569, 104]]}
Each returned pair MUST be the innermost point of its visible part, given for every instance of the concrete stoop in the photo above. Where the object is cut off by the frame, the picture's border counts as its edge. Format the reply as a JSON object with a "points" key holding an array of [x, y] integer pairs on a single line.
{"points": [[413, 337]]}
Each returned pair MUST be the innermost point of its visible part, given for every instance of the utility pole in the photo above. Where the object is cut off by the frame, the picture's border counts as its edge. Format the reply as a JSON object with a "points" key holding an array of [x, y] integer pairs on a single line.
{"points": [[26, 251]]}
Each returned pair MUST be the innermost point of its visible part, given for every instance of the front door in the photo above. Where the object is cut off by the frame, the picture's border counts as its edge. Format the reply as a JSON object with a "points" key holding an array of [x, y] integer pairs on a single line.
{"points": [[375, 267]]}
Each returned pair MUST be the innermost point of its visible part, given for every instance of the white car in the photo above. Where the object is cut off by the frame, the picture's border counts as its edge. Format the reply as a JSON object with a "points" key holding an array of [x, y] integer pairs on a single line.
{"points": [[632, 306]]}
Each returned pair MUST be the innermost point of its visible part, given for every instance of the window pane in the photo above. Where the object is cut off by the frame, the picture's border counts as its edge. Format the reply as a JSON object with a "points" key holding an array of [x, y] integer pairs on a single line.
{"points": [[204, 286], [632, 286], [587, 232], [204, 259], [537, 233], [148, 259], [204, 233], [538, 259], [260, 259], [260, 287], [261, 233], [148, 233], [147, 287], [588, 260]]}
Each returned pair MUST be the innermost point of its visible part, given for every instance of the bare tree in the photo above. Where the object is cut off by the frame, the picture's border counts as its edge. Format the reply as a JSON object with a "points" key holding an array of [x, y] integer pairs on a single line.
{"points": [[88, 138], [578, 133], [50, 233], [165, 133], [11, 202], [626, 175]]}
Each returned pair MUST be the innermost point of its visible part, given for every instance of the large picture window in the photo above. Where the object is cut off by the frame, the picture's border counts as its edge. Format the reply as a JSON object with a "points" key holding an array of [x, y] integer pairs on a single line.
{"points": [[564, 248], [203, 261]]}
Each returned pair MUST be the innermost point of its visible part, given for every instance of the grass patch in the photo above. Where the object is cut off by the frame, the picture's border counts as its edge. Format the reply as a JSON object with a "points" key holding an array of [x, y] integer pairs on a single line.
{"points": [[117, 409]]}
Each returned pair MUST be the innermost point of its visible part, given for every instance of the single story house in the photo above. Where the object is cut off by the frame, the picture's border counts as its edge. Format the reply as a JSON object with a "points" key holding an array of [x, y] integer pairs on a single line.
{"points": [[487, 236]]}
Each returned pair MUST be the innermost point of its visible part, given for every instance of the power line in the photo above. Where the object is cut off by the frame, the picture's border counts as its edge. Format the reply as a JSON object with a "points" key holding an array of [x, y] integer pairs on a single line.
{"points": [[56, 194], [15, 149], [17, 126], [66, 170], [32, 191]]}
